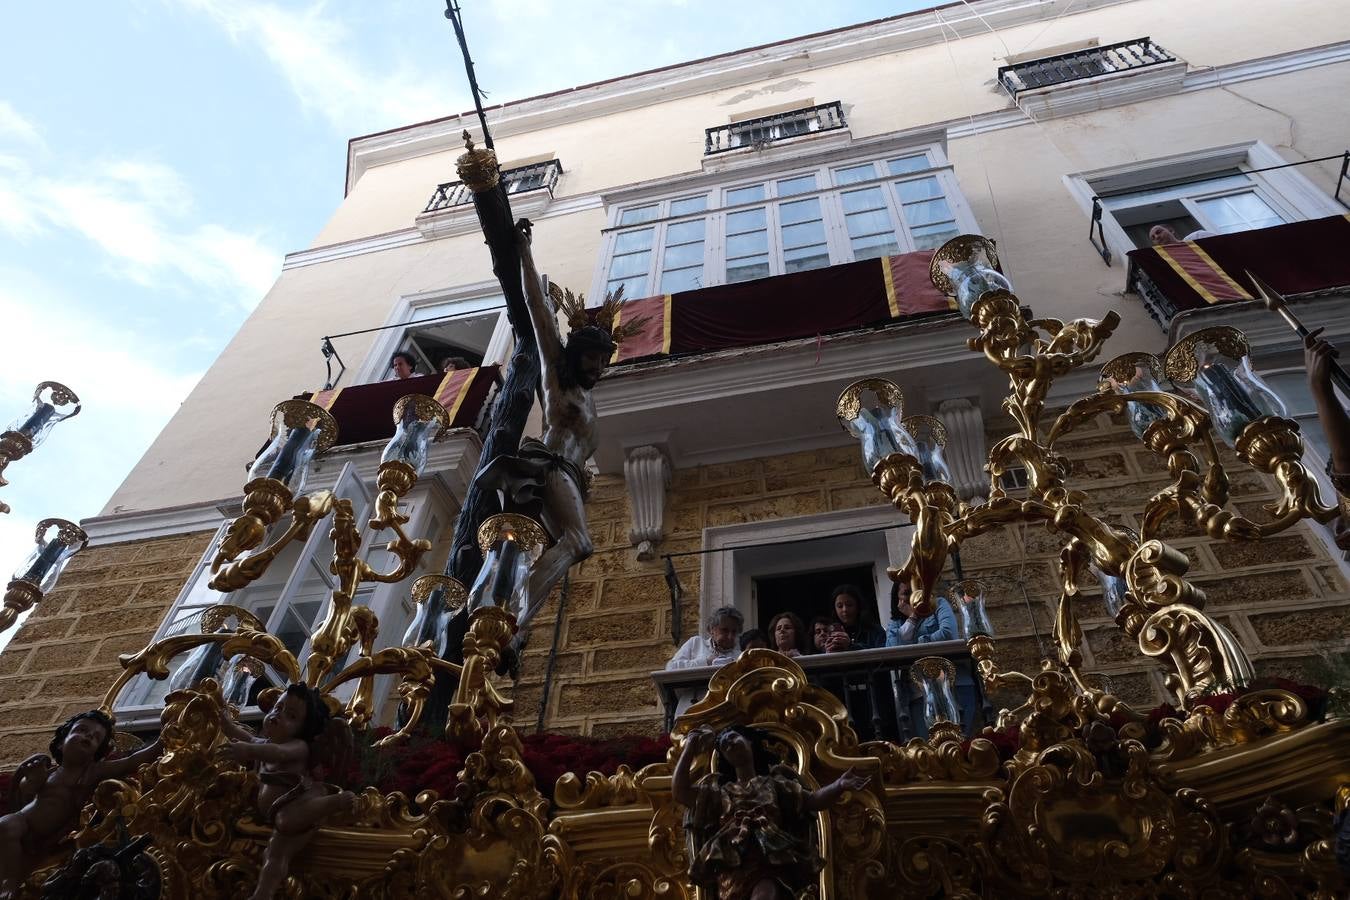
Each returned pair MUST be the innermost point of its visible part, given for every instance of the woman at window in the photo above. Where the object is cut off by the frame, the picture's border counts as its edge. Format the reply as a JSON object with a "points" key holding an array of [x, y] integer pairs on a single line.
{"points": [[853, 629], [787, 635], [907, 628]]}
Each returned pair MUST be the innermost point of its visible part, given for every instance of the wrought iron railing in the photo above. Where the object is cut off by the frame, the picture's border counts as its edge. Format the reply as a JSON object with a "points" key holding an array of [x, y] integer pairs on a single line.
{"points": [[1089, 63], [541, 176], [779, 126], [1159, 308]]}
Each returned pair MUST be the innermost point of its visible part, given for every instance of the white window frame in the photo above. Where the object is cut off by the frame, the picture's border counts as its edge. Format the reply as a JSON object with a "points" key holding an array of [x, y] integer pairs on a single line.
{"points": [[830, 195], [481, 297], [389, 602], [1287, 190]]}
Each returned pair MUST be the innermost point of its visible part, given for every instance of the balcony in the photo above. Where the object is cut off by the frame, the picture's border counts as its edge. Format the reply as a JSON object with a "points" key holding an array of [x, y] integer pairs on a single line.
{"points": [[364, 411], [1089, 63], [1092, 78], [542, 176], [766, 130], [1299, 260]]}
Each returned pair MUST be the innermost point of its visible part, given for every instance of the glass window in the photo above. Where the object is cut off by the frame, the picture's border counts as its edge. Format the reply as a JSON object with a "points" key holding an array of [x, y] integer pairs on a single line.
{"points": [[747, 245], [854, 174], [802, 184], [803, 232], [870, 231], [639, 215], [749, 194], [632, 261], [1238, 212], [682, 262], [906, 164], [689, 205]]}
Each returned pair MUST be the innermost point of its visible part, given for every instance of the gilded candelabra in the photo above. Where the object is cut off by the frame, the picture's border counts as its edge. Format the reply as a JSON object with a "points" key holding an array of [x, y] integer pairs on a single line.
{"points": [[1159, 608], [52, 402], [300, 430]]}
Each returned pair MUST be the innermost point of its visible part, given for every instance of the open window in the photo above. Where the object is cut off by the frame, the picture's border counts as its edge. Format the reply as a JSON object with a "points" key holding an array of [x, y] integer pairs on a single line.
{"points": [[465, 329]]}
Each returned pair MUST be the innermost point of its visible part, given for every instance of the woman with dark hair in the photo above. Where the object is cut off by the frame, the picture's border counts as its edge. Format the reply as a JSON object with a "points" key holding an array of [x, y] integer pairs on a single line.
{"points": [[907, 628], [855, 630], [751, 820], [787, 635]]}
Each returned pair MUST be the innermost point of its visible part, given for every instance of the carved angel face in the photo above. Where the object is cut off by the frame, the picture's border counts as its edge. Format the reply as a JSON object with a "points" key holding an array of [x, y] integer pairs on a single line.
{"points": [[735, 749], [285, 720], [82, 742]]}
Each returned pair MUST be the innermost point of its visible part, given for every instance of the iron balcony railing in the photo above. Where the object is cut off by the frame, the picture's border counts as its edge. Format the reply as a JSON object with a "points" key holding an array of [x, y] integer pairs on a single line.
{"points": [[534, 177], [780, 126], [1123, 57]]}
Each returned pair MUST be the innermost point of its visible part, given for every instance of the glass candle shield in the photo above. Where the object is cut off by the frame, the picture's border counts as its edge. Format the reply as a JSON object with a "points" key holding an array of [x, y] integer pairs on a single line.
{"points": [[57, 541], [52, 403], [511, 543], [935, 677], [1114, 588], [418, 420], [1214, 363], [1128, 374], [437, 597], [966, 267], [878, 428], [300, 429], [930, 437], [968, 598]]}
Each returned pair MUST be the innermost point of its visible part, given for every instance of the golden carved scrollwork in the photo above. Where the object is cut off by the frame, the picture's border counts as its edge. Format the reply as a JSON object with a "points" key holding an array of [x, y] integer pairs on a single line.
{"points": [[850, 401]]}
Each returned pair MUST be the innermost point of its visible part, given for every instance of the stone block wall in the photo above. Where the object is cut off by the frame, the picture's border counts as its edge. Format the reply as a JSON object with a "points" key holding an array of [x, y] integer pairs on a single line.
{"points": [[63, 658], [1285, 598]]}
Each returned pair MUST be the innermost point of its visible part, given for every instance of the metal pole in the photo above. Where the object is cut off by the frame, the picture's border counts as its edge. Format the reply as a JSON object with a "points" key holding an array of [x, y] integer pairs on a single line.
{"points": [[1276, 303]]}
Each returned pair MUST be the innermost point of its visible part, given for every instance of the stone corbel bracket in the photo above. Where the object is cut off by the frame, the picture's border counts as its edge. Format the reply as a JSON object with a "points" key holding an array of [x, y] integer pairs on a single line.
{"points": [[966, 449], [647, 472]]}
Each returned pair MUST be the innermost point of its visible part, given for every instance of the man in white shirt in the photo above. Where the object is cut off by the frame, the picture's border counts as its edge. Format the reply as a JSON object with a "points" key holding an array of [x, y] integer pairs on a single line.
{"points": [[716, 647]]}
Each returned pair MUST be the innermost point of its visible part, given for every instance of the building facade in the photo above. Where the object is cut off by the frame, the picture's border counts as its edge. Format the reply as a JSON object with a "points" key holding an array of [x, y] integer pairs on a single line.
{"points": [[775, 208]]}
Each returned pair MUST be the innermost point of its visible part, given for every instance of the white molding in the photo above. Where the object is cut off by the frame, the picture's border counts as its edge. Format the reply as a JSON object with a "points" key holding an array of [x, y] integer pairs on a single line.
{"points": [[780, 60], [121, 528], [1102, 91], [646, 471], [329, 252], [726, 573], [463, 217]]}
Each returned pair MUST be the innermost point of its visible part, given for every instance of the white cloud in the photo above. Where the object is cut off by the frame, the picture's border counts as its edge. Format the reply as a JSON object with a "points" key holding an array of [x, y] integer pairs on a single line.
{"points": [[139, 213], [15, 127], [318, 57]]}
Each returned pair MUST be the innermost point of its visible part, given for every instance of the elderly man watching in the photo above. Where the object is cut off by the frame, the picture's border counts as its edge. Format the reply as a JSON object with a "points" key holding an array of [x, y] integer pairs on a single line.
{"points": [[715, 647]]}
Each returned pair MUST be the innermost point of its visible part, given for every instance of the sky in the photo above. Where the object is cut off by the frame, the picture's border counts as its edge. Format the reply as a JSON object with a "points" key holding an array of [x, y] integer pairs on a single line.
{"points": [[159, 157]]}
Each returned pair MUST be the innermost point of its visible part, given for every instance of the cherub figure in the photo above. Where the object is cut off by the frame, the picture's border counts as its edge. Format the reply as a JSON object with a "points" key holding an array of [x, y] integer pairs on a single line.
{"points": [[297, 732], [46, 800], [750, 819]]}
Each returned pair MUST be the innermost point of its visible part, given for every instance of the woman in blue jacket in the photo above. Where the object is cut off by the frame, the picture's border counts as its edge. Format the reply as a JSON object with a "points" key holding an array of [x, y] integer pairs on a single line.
{"points": [[907, 628]]}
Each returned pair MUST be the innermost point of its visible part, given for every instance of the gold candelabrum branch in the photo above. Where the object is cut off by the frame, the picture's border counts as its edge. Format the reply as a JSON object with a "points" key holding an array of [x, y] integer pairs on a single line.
{"points": [[52, 402], [1163, 612], [57, 540], [300, 429]]}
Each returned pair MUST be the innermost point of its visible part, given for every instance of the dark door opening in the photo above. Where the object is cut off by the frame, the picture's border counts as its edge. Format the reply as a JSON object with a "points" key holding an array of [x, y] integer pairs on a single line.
{"points": [[808, 593]]}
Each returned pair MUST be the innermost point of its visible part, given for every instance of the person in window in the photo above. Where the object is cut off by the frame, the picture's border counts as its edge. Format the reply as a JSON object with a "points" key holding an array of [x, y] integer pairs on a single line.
{"points": [[716, 647], [820, 633], [1319, 357], [752, 638], [402, 365], [907, 628], [1162, 234], [787, 635], [452, 363], [852, 631]]}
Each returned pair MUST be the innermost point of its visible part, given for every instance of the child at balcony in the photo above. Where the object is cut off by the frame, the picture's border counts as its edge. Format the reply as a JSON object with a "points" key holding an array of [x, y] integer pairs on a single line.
{"points": [[750, 822], [820, 633], [787, 634], [752, 638], [855, 629], [47, 801], [907, 628]]}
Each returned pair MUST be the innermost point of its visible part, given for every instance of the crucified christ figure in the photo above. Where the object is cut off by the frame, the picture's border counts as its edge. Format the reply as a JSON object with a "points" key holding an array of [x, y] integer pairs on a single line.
{"points": [[551, 471]]}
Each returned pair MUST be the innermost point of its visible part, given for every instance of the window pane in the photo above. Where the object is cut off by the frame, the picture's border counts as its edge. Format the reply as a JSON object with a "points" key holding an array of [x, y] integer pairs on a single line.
{"points": [[680, 255], [633, 288], [1216, 181], [799, 211], [874, 245], [919, 189], [631, 241], [861, 201], [748, 244], [804, 234], [746, 269], [927, 212], [928, 237], [745, 195], [638, 216], [687, 205], [676, 280], [803, 258], [916, 163], [1239, 212], [875, 222], [800, 185], [855, 173], [746, 220], [630, 264], [685, 232]]}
